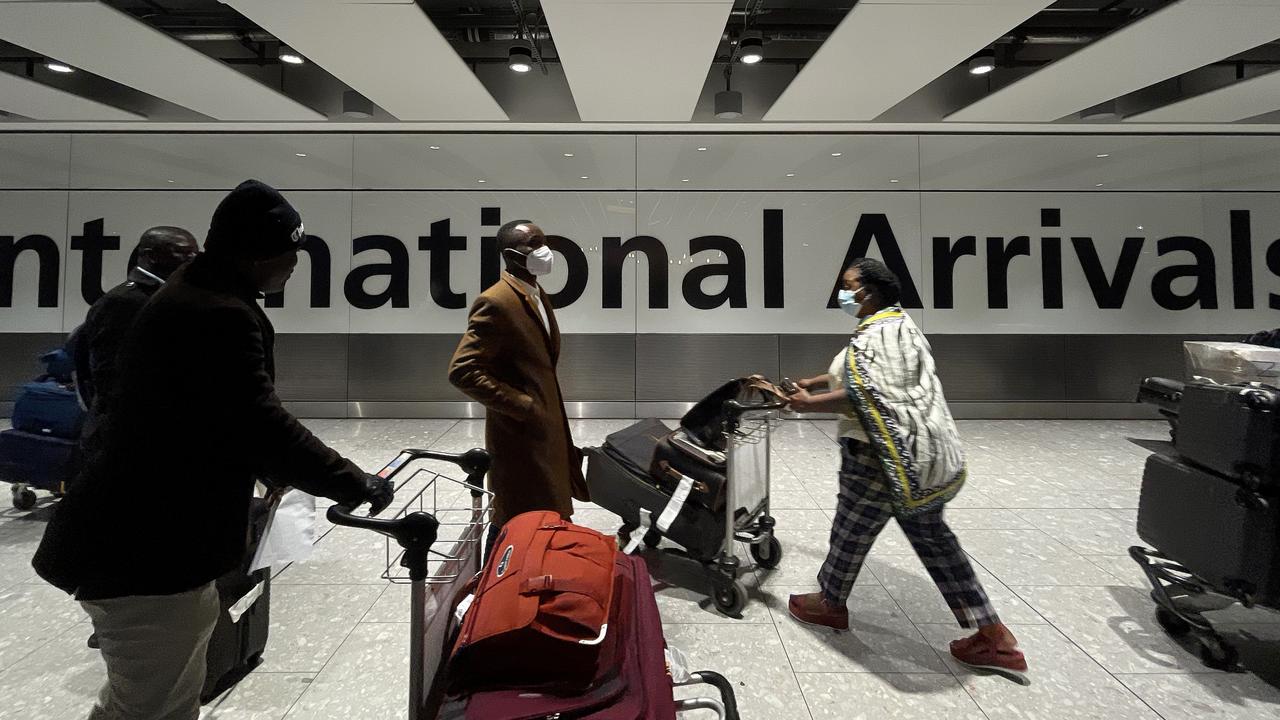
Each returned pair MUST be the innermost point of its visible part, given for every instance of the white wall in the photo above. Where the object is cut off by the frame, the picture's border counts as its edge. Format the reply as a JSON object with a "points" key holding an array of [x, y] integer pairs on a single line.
{"points": [[925, 186]]}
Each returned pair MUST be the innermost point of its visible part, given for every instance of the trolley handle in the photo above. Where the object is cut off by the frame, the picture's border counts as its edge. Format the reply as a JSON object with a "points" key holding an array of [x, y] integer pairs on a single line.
{"points": [[737, 409], [474, 462], [728, 699]]}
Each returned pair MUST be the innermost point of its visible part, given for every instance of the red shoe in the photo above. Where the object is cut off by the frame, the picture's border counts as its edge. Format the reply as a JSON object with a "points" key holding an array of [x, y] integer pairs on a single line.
{"points": [[815, 609], [981, 653]]}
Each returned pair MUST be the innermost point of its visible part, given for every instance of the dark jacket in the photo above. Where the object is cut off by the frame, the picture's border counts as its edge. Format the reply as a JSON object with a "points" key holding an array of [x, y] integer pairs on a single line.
{"points": [[98, 340], [506, 361], [1267, 338], [162, 504]]}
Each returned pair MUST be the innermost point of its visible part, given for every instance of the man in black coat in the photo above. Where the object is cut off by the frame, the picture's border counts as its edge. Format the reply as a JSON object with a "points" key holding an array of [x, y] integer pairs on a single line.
{"points": [[161, 251], [161, 508]]}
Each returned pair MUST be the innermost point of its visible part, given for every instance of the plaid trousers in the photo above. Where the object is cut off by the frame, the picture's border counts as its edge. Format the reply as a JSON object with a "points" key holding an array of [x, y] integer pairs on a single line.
{"points": [[865, 505]]}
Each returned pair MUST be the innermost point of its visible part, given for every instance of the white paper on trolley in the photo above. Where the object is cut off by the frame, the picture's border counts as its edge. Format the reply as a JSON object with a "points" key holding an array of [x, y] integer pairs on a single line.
{"points": [[290, 535]]}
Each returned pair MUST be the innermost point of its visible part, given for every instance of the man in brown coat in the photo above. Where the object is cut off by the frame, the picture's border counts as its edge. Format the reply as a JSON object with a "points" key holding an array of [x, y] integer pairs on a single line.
{"points": [[506, 361]]}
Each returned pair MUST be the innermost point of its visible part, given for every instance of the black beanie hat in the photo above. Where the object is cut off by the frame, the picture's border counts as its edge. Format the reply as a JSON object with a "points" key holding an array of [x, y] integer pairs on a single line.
{"points": [[254, 222]]}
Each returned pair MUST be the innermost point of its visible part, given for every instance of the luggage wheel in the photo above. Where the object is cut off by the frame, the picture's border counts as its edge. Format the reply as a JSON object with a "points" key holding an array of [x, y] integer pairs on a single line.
{"points": [[767, 553], [1218, 654], [24, 498], [730, 597]]}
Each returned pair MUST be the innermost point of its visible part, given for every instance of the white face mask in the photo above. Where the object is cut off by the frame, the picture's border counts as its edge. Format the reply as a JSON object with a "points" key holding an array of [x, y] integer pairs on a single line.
{"points": [[849, 302], [538, 262]]}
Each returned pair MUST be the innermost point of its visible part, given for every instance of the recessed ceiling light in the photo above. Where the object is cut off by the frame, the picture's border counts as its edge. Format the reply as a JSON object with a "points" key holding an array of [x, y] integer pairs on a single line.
{"points": [[893, 181], [1139, 227], [170, 181], [685, 180], [1103, 155], [300, 154], [702, 149], [434, 147], [1098, 185], [836, 154], [480, 181], [568, 154], [289, 55], [791, 174], [59, 67], [585, 177]]}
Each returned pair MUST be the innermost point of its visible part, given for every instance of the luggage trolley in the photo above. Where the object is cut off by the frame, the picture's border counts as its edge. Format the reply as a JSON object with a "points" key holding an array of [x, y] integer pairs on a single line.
{"points": [[454, 514], [747, 429]]}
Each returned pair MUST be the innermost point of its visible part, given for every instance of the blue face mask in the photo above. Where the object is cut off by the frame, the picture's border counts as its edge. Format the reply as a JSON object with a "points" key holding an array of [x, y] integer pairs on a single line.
{"points": [[849, 302]]}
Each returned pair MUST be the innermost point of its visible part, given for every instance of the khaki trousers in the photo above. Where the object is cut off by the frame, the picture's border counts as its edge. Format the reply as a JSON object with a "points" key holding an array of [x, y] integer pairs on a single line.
{"points": [[154, 647]]}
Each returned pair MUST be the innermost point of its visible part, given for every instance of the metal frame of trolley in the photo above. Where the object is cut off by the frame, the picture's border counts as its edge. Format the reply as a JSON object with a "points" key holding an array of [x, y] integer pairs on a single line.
{"points": [[454, 515], [747, 429]]}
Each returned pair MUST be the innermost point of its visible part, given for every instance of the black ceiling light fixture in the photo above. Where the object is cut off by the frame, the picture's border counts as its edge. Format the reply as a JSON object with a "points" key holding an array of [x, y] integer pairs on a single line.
{"points": [[355, 105], [751, 48], [290, 56], [983, 63], [520, 58], [728, 102]]}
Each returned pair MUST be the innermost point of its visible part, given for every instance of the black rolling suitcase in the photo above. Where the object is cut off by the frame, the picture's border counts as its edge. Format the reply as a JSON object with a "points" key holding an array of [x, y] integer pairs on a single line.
{"points": [[678, 456], [1231, 429], [1212, 526], [240, 636], [619, 480]]}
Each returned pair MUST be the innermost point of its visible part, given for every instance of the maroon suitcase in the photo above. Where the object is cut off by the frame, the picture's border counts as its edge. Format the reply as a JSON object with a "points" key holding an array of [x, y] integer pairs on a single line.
{"points": [[632, 681]]}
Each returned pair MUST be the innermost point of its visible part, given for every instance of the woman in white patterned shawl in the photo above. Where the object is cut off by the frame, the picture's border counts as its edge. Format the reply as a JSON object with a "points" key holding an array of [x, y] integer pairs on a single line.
{"points": [[900, 458]]}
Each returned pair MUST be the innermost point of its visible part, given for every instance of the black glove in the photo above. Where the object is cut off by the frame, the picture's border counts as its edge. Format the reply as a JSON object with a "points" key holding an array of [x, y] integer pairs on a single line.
{"points": [[378, 492]]}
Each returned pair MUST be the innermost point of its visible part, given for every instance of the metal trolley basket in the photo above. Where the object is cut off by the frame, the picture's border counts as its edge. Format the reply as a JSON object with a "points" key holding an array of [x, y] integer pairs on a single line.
{"points": [[434, 544], [747, 431]]}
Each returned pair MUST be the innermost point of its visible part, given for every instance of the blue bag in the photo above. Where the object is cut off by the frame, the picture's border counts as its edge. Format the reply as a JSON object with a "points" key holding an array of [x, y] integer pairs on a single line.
{"points": [[46, 407]]}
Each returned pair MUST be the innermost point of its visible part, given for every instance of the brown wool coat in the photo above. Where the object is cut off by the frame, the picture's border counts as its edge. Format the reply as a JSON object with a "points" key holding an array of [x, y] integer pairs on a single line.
{"points": [[506, 361]]}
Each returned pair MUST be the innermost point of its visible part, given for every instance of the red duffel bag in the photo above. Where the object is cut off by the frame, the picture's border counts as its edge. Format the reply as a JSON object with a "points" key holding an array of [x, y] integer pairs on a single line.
{"points": [[541, 609]]}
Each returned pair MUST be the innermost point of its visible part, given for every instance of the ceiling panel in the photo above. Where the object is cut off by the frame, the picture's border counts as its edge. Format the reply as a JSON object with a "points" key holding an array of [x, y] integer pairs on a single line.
{"points": [[388, 51], [885, 50], [636, 60], [1244, 99], [99, 39], [1174, 40], [28, 98]]}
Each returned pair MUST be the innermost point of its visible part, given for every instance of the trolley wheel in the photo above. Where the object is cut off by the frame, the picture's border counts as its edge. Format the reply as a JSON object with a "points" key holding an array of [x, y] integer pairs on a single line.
{"points": [[24, 498], [774, 552], [652, 539], [1218, 654], [730, 598], [1172, 624]]}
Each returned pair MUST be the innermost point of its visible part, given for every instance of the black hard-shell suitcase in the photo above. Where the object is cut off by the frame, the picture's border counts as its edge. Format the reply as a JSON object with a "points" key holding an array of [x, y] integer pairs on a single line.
{"points": [[677, 456], [1231, 429], [623, 490], [237, 645], [1213, 527]]}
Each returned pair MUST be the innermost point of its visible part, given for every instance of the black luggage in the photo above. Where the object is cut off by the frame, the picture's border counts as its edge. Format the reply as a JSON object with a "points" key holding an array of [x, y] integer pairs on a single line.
{"points": [[40, 461], [238, 641], [1231, 429], [619, 488], [633, 446], [708, 420], [678, 456], [1212, 526]]}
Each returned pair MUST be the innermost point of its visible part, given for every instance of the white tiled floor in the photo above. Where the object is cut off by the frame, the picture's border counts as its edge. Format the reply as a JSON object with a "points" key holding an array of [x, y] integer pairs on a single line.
{"points": [[1048, 517]]}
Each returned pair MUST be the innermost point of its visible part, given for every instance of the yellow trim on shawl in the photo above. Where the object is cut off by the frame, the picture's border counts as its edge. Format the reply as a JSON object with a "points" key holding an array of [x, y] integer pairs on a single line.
{"points": [[869, 399]]}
